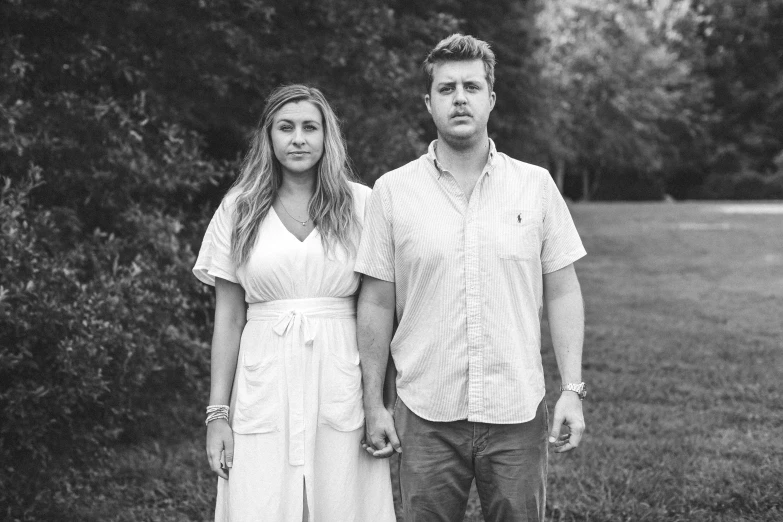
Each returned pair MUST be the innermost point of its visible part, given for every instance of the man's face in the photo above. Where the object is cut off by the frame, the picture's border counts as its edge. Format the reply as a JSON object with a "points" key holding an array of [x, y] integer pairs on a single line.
{"points": [[460, 100]]}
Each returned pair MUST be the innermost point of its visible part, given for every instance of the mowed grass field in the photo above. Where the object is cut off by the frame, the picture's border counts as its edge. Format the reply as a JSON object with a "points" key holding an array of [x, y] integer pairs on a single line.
{"points": [[684, 361]]}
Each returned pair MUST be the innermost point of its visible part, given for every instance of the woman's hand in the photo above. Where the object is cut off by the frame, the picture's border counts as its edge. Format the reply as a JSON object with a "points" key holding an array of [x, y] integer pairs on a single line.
{"points": [[380, 436], [220, 447]]}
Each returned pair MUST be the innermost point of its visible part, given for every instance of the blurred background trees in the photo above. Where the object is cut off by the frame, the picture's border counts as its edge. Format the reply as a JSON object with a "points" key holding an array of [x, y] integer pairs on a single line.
{"points": [[626, 97], [121, 126]]}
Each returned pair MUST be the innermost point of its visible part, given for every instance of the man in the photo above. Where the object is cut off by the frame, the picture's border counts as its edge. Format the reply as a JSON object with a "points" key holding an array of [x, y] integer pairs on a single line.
{"points": [[466, 245]]}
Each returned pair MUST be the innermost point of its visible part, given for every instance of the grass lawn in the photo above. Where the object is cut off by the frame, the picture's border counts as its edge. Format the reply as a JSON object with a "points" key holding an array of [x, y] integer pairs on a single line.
{"points": [[684, 361]]}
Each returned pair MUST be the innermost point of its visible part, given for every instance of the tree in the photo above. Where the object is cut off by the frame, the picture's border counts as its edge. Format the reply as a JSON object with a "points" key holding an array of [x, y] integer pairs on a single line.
{"points": [[744, 55], [120, 126], [623, 99]]}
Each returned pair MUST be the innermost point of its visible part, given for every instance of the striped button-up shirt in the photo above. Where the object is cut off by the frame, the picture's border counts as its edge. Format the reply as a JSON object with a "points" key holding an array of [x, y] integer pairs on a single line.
{"points": [[468, 279]]}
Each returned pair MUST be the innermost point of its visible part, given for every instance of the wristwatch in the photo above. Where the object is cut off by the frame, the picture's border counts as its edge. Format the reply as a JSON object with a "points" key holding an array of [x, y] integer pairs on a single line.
{"points": [[579, 388]]}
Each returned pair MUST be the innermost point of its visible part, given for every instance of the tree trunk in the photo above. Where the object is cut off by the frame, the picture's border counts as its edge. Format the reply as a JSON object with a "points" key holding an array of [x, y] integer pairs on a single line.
{"points": [[559, 173], [585, 185]]}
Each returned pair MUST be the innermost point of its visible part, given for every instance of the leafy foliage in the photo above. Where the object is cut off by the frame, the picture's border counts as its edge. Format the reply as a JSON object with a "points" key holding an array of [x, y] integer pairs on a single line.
{"points": [[95, 334], [623, 97], [121, 124], [743, 50]]}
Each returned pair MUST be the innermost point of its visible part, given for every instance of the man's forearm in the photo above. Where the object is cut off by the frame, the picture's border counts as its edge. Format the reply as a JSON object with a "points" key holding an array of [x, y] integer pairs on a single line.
{"points": [[390, 385], [375, 315], [566, 324], [565, 311]]}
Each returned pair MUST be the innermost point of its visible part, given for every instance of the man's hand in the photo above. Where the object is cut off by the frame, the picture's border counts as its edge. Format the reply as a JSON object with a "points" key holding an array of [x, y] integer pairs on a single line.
{"points": [[568, 412], [380, 437]]}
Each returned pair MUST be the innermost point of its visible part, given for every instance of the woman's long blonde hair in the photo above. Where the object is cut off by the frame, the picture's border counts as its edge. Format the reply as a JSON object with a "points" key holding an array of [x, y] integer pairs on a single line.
{"points": [[331, 207]]}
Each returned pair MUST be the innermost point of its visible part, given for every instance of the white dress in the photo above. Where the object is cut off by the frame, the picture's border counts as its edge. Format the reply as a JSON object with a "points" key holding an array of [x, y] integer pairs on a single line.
{"points": [[296, 401]]}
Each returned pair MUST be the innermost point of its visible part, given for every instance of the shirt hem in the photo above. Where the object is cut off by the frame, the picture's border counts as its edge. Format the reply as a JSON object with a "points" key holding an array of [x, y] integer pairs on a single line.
{"points": [[523, 419]]}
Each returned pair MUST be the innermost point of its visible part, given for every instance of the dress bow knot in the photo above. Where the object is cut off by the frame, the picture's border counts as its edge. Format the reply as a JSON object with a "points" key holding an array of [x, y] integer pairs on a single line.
{"points": [[296, 322]]}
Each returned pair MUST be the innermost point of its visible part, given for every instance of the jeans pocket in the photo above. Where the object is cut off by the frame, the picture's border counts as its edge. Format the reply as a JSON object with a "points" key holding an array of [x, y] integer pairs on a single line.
{"points": [[341, 393], [258, 401]]}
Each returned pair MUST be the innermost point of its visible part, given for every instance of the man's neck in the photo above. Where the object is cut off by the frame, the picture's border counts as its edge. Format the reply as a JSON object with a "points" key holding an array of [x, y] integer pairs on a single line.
{"points": [[463, 159]]}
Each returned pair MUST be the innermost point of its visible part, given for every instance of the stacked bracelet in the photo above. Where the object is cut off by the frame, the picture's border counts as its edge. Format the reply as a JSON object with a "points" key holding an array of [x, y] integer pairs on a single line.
{"points": [[215, 412]]}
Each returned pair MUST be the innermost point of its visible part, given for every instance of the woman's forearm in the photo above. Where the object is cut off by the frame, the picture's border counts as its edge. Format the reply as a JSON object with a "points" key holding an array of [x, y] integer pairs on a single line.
{"points": [[230, 318]]}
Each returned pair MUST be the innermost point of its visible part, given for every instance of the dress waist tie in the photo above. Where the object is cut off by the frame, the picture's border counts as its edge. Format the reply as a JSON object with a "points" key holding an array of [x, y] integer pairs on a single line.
{"points": [[293, 322]]}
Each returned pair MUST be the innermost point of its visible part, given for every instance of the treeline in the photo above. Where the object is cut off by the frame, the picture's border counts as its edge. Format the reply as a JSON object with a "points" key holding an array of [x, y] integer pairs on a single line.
{"points": [[121, 126]]}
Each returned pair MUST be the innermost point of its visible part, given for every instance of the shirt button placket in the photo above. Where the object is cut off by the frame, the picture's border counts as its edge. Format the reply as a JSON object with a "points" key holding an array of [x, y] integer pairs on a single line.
{"points": [[473, 308]]}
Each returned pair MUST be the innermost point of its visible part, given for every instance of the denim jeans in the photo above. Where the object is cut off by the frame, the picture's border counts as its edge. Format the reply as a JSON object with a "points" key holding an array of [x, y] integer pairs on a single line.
{"points": [[432, 477]]}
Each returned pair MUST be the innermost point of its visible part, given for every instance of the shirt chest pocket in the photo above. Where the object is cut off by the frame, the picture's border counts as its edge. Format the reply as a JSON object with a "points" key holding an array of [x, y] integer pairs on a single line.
{"points": [[517, 235]]}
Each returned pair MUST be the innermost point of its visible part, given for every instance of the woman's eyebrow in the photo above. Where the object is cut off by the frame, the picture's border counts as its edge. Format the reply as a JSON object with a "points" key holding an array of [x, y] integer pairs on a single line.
{"points": [[287, 120]]}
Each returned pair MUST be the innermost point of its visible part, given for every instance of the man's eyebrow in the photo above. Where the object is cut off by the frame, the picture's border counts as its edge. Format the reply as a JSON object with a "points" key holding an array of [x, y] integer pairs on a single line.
{"points": [[477, 79]]}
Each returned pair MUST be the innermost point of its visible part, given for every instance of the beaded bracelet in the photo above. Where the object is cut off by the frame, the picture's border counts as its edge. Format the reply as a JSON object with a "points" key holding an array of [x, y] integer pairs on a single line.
{"points": [[217, 411]]}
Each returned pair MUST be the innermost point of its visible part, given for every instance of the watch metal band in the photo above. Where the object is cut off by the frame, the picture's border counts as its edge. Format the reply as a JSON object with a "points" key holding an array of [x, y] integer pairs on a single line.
{"points": [[578, 388]]}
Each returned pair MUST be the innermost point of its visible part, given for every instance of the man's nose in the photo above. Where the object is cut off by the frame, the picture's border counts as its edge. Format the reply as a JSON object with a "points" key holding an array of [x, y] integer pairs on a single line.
{"points": [[459, 96]]}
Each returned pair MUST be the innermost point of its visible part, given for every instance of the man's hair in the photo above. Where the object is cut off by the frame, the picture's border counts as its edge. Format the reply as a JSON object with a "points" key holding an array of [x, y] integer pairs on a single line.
{"points": [[458, 47]]}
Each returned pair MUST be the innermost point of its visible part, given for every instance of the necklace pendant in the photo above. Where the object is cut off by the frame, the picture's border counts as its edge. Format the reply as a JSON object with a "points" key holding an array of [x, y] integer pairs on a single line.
{"points": [[304, 224]]}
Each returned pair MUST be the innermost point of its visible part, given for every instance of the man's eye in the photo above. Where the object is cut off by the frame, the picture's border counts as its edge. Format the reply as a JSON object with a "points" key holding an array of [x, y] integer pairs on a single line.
{"points": [[445, 89]]}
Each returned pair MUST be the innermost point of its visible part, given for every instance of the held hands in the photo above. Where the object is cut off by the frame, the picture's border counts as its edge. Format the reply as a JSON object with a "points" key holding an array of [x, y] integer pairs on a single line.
{"points": [[380, 437], [568, 411], [220, 447]]}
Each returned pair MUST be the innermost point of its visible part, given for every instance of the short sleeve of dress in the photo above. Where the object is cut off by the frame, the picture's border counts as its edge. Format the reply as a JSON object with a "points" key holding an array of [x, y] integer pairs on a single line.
{"points": [[214, 257], [376, 249], [361, 194], [562, 245]]}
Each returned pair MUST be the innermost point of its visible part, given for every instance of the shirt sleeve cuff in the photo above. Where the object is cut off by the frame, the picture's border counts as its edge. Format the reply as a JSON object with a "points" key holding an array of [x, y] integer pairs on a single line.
{"points": [[374, 271], [563, 261]]}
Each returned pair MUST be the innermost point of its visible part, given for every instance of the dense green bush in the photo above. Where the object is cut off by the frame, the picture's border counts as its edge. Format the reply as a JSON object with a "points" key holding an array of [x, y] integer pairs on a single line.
{"points": [[91, 343], [102, 326]]}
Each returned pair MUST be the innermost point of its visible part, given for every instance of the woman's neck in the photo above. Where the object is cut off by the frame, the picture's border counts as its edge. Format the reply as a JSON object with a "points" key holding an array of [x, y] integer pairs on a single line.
{"points": [[298, 185]]}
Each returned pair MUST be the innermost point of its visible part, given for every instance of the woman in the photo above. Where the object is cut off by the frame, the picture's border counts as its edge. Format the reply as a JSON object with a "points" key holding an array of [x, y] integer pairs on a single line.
{"points": [[285, 421]]}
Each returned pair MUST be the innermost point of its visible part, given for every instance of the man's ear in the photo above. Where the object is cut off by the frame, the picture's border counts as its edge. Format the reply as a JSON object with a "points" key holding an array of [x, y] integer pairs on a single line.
{"points": [[492, 100], [427, 102]]}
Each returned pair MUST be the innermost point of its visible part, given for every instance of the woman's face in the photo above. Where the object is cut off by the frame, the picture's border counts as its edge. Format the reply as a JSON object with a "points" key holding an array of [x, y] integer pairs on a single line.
{"points": [[298, 137]]}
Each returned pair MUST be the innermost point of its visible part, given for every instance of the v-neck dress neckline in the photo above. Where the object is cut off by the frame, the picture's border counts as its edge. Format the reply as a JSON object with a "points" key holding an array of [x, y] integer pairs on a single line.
{"points": [[280, 221]]}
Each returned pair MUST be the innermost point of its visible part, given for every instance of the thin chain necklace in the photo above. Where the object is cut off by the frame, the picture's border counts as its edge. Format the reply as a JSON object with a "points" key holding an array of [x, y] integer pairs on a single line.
{"points": [[303, 223]]}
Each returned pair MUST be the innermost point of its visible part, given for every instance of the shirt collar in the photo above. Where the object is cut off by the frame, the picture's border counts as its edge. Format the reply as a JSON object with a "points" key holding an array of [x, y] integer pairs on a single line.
{"points": [[433, 157]]}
